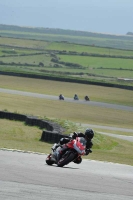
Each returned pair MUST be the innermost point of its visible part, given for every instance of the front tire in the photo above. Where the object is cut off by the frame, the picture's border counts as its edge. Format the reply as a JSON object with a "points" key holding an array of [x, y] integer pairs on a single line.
{"points": [[48, 161], [66, 159]]}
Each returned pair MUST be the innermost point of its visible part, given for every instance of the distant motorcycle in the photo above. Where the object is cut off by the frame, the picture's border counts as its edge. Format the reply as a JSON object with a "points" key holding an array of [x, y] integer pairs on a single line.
{"points": [[61, 97], [75, 148], [87, 98], [76, 97]]}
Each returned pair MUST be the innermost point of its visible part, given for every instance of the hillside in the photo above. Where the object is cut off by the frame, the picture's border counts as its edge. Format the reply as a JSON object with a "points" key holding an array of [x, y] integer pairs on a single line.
{"points": [[70, 36]]}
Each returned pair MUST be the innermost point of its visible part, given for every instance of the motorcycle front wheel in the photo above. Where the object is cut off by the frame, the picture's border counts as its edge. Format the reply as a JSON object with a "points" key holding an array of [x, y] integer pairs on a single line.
{"points": [[66, 159], [48, 161]]}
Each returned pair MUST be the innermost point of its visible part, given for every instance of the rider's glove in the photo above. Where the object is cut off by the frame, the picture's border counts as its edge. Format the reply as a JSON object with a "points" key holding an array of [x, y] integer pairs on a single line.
{"points": [[87, 151], [74, 135]]}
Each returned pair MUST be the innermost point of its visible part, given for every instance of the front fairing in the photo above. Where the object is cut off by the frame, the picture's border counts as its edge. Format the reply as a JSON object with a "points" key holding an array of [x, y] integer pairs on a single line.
{"points": [[79, 144]]}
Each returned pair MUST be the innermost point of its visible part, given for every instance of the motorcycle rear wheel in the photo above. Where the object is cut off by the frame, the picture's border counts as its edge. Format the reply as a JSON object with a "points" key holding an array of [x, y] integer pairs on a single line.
{"points": [[65, 160]]}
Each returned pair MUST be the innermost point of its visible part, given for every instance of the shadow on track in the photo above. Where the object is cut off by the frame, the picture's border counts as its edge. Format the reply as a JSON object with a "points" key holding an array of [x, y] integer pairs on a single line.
{"points": [[62, 167]]}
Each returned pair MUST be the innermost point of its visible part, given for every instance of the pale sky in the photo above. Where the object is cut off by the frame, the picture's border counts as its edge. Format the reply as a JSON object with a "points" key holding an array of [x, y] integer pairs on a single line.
{"points": [[105, 16]]}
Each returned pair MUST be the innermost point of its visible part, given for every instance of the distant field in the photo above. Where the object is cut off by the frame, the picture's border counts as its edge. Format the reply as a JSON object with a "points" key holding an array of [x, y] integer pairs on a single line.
{"points": [[29, 59], [108, 67], [47, 45], [85, 61], [89, 49], [12, 51], [23, 43], [124, 43], [113, 67], [96, 62], [15, 56]]}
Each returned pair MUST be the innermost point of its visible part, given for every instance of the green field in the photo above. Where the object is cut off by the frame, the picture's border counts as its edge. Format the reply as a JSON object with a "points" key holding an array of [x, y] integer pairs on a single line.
{"points": [[123, 42], [88, 49], [24, 55], [96, 67], [92, 62], [47, 45], [109, 67]]}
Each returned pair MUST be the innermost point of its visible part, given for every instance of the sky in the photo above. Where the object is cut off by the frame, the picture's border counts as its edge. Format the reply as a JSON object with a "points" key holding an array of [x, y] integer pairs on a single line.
{"points": [[102, 16]]}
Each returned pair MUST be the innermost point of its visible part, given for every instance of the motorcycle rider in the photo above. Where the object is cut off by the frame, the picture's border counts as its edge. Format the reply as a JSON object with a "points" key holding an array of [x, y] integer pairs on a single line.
{"points": [[88, 135], [61, 97], [87, 98], [76, 97]]}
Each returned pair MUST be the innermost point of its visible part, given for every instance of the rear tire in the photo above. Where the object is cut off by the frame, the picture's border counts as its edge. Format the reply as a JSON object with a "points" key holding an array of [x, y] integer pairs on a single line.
{"points": [[65, 160]]}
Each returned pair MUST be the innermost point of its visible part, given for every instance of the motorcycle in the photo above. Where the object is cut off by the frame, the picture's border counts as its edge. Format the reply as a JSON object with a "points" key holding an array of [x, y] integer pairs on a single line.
{"points": [[76, 97], [61, 97], [74, 149], [87, 98]]}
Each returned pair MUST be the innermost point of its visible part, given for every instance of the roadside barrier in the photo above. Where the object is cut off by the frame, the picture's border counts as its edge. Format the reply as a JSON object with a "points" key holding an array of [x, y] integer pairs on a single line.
{"points": [[53, 132]]}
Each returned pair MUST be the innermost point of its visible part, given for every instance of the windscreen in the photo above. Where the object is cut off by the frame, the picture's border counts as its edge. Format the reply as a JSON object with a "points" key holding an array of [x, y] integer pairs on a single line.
{"points": [[82, 141]]}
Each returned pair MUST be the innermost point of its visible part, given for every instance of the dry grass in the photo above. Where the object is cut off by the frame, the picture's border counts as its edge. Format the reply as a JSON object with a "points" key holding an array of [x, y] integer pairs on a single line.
{"points": [[16, 135], [68, 111]]}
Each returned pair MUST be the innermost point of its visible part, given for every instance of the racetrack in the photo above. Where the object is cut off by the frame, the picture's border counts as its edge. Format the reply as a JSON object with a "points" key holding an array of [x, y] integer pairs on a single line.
{"points": [[26, 176], [51, 97]]}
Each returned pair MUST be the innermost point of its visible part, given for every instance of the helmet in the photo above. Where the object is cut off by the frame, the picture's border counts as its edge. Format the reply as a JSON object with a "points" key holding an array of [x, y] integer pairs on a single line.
{"points": [[89, 133]]}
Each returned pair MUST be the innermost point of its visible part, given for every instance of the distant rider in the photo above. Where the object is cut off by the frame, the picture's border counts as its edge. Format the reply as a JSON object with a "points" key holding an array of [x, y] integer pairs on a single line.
{"points": [[61, 97], [76, 97]]}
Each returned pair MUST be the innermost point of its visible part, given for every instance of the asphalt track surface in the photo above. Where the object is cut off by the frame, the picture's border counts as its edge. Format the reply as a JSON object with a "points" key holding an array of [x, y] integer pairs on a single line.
{"points": [[92, 103], [26, 176]]}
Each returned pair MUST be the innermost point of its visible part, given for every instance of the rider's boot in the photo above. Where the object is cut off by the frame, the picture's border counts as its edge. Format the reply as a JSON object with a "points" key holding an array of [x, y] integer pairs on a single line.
{"points": [[57, 151]]}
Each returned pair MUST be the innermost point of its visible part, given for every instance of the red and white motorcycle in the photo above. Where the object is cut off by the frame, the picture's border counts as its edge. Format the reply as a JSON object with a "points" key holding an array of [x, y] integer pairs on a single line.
{"points": [[74, 149]]}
